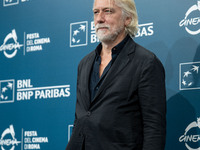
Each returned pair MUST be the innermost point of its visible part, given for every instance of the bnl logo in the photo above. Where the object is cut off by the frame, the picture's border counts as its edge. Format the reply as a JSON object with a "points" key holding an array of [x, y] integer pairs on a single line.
{"points": [[189, 76], [7, 91], [10, 2], [79, 34]]}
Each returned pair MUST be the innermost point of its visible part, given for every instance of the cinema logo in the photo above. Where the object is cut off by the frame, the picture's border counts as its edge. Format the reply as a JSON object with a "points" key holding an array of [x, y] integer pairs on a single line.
{"points": [[10, 45], [29, 139], [12, 2], [192, 24], [191, 137], [79, 33], [33, 42], [6, 142], [26, 91]]}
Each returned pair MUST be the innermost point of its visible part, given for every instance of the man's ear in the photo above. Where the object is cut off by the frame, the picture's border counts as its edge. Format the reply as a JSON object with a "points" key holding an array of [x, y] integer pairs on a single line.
{"points": [[128, 21]]}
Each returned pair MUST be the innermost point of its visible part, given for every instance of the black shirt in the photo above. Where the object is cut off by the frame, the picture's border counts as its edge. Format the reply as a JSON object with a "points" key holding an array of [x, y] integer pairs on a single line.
{"points": [[95, 80]]}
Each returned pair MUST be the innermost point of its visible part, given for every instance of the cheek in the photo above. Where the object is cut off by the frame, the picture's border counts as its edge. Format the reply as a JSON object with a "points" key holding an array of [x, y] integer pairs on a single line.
{"points": [[115, 21], [95, 21]]}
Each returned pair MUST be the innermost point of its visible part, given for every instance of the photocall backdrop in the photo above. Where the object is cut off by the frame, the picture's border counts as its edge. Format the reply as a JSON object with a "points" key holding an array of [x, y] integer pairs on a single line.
{"points": [[41, 45]]}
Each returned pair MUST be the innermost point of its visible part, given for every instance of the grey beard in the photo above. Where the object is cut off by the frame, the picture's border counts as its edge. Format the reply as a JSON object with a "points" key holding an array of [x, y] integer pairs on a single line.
{"points": [[110, 37]]}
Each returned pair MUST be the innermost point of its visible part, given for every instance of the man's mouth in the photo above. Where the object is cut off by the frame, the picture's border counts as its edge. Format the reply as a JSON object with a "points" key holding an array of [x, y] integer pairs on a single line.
{"points": [[102, 27]]}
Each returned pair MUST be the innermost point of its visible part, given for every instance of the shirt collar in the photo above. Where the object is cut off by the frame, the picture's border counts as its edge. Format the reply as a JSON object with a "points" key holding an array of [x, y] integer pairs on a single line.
{"points": [[116, 49]]}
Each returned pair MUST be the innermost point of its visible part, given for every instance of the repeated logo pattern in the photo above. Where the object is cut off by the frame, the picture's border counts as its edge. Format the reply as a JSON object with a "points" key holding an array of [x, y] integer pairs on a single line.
{"points": [[188, 22], [6, 91], [12, 142], [189, 137], [189, 76], [10, 2], [10, 49], [78, 34]]}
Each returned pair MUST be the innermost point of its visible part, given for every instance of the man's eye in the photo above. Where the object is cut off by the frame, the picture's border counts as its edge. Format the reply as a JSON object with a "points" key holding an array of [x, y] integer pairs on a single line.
{"points": [[95, 12], [108, 11]]}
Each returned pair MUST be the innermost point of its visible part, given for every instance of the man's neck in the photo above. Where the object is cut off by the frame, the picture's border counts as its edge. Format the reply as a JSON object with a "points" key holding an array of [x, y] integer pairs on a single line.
{"points": [[107, 46]]}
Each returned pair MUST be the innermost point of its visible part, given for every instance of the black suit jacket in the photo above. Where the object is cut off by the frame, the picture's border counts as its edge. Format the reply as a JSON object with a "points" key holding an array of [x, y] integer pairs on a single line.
{"points": [[129, 109]]}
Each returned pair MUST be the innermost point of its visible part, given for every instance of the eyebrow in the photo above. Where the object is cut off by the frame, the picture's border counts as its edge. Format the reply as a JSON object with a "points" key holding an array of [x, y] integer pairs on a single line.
{"points": [[103, 8]]}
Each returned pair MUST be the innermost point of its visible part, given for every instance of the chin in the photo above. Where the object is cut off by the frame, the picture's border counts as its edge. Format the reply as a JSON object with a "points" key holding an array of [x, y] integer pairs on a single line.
{"points": [[106, 38]]}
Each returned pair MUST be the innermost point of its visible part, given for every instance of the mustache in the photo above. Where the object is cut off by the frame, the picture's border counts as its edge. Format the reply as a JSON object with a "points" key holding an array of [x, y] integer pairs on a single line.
{"points": [[101, 26]]}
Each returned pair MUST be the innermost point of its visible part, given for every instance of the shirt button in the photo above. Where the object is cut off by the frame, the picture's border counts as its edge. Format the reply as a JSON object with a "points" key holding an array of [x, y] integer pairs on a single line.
{"points": [[97, 88], [88, 113]]}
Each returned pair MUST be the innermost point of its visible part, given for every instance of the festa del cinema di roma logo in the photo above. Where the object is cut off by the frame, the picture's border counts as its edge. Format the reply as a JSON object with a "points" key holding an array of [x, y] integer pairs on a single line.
{"points": [[190, 139], [33, 42], [29, 140], [189, 23]]}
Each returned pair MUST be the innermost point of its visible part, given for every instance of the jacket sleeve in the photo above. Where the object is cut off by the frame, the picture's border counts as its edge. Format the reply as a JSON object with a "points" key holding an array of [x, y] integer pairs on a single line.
{"points": [[152, 98], [78, 72]]}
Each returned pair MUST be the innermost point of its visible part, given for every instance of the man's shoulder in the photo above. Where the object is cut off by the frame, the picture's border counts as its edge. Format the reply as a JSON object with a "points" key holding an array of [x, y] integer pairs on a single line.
{"points": [[145, 56], [143, 52], [140, 51]]}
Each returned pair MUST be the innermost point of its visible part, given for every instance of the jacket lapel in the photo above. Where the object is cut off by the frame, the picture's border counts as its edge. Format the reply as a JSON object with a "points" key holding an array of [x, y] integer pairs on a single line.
{"points": [[120, 63]]}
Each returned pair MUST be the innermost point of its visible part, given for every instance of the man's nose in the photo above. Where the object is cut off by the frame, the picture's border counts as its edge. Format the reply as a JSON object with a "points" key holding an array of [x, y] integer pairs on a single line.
{"points": [[100, 17]]}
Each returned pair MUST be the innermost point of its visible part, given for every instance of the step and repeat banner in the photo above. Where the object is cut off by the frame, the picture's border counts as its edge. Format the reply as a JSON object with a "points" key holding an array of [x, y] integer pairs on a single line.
{"points": [[41, 45]]}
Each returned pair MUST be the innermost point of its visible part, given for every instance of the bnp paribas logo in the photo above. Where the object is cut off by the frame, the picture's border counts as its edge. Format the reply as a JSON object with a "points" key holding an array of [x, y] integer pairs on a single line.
{"points": [[79, 34], [7, 91], [10, 2], [189, 77]]}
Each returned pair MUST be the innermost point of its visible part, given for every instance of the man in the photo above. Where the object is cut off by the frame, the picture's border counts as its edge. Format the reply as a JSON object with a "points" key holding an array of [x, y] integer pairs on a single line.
{"points": [[121, 101]]}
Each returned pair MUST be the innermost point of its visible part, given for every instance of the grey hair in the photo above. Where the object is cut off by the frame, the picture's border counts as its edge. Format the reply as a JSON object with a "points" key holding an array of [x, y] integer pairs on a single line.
{"points": [[129, 10]]}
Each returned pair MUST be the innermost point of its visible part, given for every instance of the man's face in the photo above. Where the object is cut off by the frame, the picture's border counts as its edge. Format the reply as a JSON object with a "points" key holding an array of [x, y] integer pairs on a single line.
{"points": [[108, 19]]}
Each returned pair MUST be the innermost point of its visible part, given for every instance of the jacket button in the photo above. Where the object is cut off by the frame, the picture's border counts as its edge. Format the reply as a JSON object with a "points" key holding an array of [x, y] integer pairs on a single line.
{"points": [[88, 113]]}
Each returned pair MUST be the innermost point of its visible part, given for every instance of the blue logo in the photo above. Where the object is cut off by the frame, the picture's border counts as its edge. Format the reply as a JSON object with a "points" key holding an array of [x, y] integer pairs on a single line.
{"points": [[10, 2], [189, 76], [78, 34], [7, 91]]}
